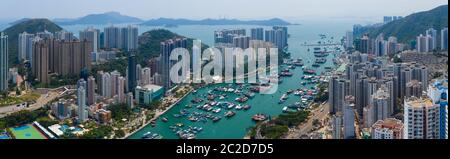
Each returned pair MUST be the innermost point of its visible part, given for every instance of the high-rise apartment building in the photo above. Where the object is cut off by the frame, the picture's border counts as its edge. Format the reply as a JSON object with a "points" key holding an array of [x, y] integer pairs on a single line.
{"points": [[3, 62], [421, 119]]}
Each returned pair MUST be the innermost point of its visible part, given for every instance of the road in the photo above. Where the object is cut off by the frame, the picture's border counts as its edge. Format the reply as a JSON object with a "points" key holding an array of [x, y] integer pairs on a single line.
{"points": [[307, 126], [40, 102]]}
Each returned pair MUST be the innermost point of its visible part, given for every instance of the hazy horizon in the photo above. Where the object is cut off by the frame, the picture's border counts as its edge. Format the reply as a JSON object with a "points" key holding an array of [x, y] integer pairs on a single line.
{"points": [[200, 9]]}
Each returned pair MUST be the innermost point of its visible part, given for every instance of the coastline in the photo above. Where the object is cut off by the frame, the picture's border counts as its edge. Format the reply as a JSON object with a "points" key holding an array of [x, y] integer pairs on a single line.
{"points": [[157, 116]]}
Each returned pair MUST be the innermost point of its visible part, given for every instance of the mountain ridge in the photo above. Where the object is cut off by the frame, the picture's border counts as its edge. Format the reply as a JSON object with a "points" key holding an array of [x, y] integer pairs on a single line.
{"points": [[101, 18], [414, 24]]}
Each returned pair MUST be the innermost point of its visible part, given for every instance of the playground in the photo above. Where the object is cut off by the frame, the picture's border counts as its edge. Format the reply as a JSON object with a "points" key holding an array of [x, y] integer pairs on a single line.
{"points": [[26, 132]]}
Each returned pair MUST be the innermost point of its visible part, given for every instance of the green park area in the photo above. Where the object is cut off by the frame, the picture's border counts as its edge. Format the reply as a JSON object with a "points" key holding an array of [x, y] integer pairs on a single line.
{"points": [[29, 97]]}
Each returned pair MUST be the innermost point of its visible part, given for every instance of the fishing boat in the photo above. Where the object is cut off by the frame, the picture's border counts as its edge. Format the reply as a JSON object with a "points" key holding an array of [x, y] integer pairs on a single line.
{"points": [[230, 106], [153, 123], [216, 119], [321, 60], [230, 114], [316, 64], [309, 71], [289, 91], [259, 117], [217, 110], [284, 97]]}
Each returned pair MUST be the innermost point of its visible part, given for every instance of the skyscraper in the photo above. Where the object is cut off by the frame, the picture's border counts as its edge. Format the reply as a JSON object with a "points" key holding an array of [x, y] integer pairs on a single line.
{"points": [[146, 76], [81, 101], [392, 45], [421, 119], [129, 37], [349, 39], [92, 35], [132, 81], [165, 62], [349, 117], [282, 36], [25, 46], [380, 103], [61, 57], [422, 43], [121, 90], [438, 92], [444, 39], [91, 90], [3, 62], [64, 35], [114, 83], [338, 89], [106, 85], [242, 42], [432, 42], [111, 37], [257, 33], [130, 100], [413, 88], [40, 64], [364, 44], [337, 125], [138, 74]]}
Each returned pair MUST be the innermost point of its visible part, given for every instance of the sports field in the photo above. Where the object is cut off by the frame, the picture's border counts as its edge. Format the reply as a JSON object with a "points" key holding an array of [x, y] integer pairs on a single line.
{"points": [[26, 132]]}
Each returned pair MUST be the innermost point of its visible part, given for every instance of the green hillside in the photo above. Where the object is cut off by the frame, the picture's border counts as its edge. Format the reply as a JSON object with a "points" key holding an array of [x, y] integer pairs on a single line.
{"points": [[407, 28], [30, 26]]}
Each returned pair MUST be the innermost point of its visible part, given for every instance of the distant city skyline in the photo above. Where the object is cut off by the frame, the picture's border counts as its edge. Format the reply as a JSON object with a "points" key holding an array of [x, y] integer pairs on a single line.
{"points": [[249, 9]]}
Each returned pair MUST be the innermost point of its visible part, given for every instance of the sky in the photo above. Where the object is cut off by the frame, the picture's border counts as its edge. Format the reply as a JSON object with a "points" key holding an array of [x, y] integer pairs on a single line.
{"points": [[199, 9]]}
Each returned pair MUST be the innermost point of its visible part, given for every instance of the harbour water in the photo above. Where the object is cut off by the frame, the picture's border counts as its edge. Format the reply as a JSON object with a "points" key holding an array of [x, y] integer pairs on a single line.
{"points": [[237, 126]]}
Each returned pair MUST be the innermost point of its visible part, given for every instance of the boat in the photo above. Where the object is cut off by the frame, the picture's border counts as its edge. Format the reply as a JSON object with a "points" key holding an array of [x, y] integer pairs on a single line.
{"points": [[230, 106], [238, 107], [217, 110], [164, 120], [193, 119], [309, 71], [216, 119], [286, 74], [316, 64], [250, 95], [150, 135], [179, 124], [284, 97], [321, 60], [289, 91], [153, 123], [259, 117], [230, 114], [246, 107]]}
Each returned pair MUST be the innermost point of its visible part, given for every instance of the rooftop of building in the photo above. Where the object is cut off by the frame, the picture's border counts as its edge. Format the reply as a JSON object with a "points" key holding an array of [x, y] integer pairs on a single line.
{"points": [[419, 102], [149, 87], [389, 123]]}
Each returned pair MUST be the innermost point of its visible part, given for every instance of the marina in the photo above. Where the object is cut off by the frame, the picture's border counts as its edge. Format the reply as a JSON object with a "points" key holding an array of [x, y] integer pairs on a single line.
{"points": [[227, 111]]}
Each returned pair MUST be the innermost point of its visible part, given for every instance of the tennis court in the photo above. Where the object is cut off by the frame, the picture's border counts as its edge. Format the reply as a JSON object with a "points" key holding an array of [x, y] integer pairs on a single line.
{"points": [[26, 132]]}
